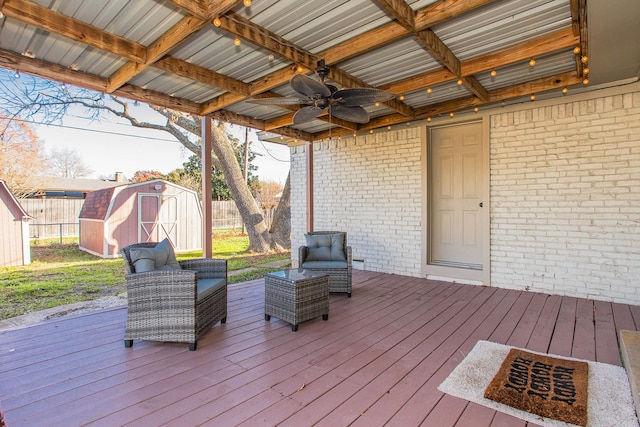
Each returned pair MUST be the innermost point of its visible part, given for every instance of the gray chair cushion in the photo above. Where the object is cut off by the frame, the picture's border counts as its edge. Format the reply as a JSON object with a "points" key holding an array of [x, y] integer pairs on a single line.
{"points": [[325, 265], [325, 247], [208, 286], [161, 257]]}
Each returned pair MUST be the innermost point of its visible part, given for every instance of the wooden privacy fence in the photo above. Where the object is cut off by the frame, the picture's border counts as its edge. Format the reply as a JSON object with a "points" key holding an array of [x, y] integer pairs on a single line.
{"points": [[59, 217], [53, 217]]}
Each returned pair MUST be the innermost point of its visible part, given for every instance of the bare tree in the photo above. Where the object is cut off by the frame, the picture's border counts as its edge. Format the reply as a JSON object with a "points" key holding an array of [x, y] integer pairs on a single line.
{"points": [[49, 102], [268, 195], [67, 163], [142, 176], [22, 161]]}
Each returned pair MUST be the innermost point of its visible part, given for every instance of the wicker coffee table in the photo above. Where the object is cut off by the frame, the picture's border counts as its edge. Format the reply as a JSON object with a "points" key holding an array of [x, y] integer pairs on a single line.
{"points": [[295, 296]]}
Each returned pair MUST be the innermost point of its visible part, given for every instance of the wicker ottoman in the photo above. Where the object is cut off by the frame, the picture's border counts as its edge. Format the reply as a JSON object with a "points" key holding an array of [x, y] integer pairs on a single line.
{"points": [[295, 296]]}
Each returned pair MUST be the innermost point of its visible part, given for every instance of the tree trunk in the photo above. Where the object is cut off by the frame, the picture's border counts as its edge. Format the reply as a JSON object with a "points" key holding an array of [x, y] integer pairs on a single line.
{"points": [[260, 240], [281, 223]]}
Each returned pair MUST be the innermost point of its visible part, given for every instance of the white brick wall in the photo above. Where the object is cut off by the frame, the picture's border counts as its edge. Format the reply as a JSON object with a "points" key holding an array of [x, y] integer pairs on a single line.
{"points": [[370, 187], [565, 196]]}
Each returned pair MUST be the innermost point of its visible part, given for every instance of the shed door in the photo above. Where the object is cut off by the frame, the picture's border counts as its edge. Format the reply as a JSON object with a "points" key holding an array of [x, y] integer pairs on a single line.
{"points": [[456, 220], [158, 215]]}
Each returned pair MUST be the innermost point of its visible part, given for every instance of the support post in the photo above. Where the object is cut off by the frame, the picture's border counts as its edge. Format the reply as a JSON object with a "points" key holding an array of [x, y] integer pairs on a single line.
{"points": [[309, 157], [207, 234]]}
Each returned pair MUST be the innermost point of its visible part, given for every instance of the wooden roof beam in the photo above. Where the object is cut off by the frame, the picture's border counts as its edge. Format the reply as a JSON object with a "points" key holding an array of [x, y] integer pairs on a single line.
{"points": [[55, 72], [444, 10], [433, 43], [238, 119], [498, 95], [197, 8], [173, 37], [57, 23], [202, 75], [163, 44], [553, 42], [430, 15], [262, 37], [401, 11], [242, 27]]}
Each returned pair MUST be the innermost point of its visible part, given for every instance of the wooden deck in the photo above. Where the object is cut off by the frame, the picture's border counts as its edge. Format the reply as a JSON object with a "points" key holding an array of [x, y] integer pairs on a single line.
{"points": [[377, 361]]}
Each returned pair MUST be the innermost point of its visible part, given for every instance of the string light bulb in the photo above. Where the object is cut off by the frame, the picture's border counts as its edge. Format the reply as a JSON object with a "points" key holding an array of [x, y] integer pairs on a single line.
{"points": [[494, 73], [585, 81], [17, 74], [532, 62], [565, 90], [247, 3], [377, 104], [459, 82], [585, 70], [429, 90], [532, 97], [217, 22], [389, 127], [401, 97], [451, 114], [576, 50], [237, 41], [428, 119], [475, 109], [584, 59], [371, 131], [271, 57]]}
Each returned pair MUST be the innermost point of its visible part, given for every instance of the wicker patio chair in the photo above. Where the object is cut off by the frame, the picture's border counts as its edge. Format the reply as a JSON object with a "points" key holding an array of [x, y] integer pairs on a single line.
{"points": [[335, 260], [174, 304]]}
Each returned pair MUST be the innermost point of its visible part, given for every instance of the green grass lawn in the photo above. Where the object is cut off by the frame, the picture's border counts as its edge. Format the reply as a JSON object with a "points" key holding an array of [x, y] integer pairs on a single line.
{"points": [[62, 274]]}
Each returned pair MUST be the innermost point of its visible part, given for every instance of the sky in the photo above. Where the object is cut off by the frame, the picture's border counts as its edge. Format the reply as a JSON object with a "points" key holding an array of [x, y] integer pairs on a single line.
{"points": [[107, 147]]}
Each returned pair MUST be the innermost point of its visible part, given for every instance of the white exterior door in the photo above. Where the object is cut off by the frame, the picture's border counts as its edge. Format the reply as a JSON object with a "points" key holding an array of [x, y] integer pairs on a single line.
{"points": [[456, 200], [158, 217]]}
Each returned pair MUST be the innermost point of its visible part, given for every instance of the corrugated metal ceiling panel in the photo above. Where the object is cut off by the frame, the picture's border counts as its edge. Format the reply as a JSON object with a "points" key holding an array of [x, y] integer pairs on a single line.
{"points": [[502, 24]]}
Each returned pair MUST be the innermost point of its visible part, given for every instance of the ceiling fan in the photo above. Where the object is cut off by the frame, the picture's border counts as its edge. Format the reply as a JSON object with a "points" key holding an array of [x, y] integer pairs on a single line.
{"points": [[317, 96]]}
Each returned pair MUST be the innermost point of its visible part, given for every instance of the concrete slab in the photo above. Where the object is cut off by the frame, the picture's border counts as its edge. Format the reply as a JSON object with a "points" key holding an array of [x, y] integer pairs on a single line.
{"points": [[630, 349]]}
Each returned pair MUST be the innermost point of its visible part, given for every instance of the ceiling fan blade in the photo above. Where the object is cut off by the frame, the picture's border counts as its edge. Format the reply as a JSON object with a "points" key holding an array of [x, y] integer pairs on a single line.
{"points": [[361, 96], [306, 114], [354, 114], [307, 86], [285, 100]]}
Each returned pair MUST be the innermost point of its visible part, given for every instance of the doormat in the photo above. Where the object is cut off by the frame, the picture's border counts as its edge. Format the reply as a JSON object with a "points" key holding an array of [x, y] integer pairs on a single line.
{"points": [[609, 400], [544, 385]]}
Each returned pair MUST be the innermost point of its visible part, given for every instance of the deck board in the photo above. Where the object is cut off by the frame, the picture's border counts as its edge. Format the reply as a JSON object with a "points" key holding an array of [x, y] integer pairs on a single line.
{"points": [[377, 360]]}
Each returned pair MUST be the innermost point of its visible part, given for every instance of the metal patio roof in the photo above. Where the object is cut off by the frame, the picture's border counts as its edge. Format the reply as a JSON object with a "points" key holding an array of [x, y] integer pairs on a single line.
{"points": [[437, 57]]}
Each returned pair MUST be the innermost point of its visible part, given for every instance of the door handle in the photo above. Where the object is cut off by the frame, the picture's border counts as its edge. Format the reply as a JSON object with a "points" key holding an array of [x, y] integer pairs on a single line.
{"points": [[480, 204]]}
